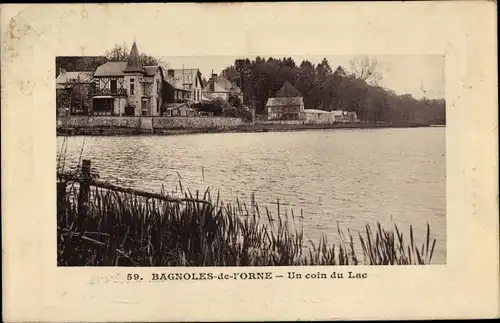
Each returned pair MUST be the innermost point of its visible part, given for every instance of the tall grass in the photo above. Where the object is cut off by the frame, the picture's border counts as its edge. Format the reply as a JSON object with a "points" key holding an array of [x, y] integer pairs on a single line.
{"points": [[120, 229]]}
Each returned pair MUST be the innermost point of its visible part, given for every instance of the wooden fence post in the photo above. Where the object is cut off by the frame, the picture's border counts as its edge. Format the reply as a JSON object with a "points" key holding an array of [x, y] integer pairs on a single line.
{"points": [[83, 196]]}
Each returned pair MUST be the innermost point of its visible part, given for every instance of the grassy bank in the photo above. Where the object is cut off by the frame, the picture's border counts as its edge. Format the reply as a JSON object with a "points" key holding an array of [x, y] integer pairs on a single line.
{"points": [[121, 229], [249, 128]]}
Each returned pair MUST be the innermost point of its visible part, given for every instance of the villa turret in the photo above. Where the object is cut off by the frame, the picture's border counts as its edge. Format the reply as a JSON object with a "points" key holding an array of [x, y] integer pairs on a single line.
{"points": [[134, 61]]}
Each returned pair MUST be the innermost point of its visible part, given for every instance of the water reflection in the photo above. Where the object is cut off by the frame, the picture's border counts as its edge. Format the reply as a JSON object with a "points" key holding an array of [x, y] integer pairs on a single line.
{"points": [[351, 177]]}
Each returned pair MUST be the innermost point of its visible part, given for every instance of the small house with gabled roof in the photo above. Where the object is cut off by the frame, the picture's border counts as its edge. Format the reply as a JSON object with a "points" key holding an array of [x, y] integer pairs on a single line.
{"points": [[127, 88], [218, 86], [287, 104]]}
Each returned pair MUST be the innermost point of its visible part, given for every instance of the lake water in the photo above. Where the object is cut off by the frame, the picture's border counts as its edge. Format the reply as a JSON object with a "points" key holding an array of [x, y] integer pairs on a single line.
{"points": [[348, 176]]}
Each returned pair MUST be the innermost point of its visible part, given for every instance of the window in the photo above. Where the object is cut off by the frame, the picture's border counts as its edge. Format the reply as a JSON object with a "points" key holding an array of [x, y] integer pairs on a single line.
{"points": [[132, 87], [114, 87]]}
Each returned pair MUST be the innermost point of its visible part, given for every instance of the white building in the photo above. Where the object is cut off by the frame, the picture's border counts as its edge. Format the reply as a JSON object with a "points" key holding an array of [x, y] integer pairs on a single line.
{"points": [[329, 117], [220, 87]]}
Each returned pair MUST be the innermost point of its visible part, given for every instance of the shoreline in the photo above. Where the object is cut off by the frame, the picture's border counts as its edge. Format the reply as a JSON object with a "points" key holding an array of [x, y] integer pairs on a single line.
{"points": [[250, 128]]}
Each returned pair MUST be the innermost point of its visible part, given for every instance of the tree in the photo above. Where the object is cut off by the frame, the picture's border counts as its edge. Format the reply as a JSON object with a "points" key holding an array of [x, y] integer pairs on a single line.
{"points": [[324, 88], [147, 60], [306, 82], [221, 105], [235, 101], [121, 53], [324, 69], [63, 100], [340, 72], [364, 69]]}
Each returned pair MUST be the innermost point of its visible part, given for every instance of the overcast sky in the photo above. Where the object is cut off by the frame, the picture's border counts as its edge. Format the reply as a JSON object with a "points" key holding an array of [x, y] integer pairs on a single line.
{"points": [[211, 36]]}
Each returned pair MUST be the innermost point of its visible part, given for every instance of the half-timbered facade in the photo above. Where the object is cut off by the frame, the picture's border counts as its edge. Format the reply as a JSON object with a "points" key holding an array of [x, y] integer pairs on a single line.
{"points": [[127, 88]]}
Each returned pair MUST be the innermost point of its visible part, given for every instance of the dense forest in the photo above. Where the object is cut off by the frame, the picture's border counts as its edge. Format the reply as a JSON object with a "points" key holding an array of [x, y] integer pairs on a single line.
{"points": [[324, 88]]}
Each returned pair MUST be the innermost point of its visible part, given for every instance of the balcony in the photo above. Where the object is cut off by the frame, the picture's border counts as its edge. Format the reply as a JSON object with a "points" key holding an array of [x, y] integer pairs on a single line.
{"points": [[115, 92]]}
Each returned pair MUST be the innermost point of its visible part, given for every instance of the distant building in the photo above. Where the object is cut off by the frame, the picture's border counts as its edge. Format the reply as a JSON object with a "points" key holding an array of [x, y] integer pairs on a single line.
{"points": [[72, 92], [287, 104], [221, 87], [330, 117], [175, 95], [319, 116], [353, 116], [179, 110], [127, 88], [344, 116], [187, 85]]}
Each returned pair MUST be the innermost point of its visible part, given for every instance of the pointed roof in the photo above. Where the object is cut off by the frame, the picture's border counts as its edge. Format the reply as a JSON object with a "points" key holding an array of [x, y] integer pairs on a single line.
{"points": [[134, 61], [182, 78], [288, 90], [111, 69], [282, 101]]}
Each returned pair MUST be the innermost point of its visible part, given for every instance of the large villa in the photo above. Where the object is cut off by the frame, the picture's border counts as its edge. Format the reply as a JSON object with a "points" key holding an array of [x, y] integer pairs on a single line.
{"points": [[128, 88]]}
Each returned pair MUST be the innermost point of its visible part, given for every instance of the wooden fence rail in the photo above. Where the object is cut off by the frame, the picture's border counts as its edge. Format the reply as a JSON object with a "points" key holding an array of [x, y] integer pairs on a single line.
{"points": [[86, 181]]}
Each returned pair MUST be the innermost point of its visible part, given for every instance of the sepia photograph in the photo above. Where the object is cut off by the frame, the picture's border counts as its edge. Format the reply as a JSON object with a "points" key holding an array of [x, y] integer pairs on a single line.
{"points": [[249, 161], [258, 160]]}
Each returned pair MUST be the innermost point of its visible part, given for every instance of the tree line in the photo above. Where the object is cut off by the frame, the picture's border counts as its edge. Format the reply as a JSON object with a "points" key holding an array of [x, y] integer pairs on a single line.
{"points": [[356, 89]]}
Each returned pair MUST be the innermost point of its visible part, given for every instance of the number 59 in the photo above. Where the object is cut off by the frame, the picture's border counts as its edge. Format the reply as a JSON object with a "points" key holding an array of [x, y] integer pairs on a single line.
{"points": [[133, 277]]}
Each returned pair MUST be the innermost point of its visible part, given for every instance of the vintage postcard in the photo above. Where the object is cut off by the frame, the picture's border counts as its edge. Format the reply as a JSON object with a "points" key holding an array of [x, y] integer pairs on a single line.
{"points": [[191, 162]]}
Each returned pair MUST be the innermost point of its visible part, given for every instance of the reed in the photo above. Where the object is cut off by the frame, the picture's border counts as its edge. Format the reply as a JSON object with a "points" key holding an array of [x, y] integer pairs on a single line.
{"points": [[122, 229]]}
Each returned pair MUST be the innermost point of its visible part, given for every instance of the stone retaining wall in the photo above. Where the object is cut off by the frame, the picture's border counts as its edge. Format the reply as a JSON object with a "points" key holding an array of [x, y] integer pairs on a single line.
{"points": [[98, 122], [294, 122], [107, 122]]}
